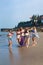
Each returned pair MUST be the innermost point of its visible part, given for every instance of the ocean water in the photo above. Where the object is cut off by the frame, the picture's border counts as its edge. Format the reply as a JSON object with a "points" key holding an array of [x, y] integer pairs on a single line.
{"points": [[4, 39], [4, 49]]}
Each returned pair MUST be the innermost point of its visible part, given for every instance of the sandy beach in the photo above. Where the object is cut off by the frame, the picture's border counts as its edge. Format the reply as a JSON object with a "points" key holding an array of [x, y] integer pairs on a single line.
{"points": [[21, 56]]}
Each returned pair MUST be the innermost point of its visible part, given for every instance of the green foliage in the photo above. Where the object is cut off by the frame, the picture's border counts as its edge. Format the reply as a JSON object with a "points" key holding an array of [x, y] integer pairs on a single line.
{"points": [[34, 21]]}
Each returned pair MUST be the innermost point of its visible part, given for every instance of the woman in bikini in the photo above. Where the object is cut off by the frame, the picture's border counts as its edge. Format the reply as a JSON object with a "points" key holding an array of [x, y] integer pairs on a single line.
{"points": [[10, 34], [27, 37], [18, 35], [34, 36]]}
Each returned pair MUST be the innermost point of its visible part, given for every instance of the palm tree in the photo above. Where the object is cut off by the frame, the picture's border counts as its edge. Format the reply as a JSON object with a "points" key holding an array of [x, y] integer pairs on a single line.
{"points": [[35, 19]]}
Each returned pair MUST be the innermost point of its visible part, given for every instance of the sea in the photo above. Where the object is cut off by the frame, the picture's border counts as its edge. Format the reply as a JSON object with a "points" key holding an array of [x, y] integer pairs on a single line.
{"points": [[5, 52]]}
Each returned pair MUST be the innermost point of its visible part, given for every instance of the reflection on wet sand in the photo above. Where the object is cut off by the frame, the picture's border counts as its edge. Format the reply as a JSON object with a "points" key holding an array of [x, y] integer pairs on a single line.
{"points": [[11, 56], [21, 55]]}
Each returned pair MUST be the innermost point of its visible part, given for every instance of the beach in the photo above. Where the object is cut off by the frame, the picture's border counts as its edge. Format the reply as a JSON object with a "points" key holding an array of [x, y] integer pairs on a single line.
{"points": [[20, 55]]}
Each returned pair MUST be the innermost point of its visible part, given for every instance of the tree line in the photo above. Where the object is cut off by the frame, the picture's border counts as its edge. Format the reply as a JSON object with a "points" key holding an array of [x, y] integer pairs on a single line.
{"points": [[35, 20]]}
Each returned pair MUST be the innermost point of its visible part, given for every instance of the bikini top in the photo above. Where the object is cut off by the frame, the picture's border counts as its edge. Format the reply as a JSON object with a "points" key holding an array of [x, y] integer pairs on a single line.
{"points": [[26, 32], [10, 35], [22, 33], [18, 33]]}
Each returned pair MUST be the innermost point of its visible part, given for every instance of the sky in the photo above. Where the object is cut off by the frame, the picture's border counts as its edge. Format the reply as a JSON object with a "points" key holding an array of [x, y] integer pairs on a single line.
{"points": [[14, 11]]}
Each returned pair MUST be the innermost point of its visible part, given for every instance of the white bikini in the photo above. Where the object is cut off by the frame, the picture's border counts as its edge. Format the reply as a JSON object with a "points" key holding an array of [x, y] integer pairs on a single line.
{"points": [[18, 35]]}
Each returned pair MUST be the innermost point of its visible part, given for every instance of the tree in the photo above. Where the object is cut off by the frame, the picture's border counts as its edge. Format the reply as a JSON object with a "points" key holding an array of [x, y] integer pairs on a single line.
{"points": [[35, 19]]}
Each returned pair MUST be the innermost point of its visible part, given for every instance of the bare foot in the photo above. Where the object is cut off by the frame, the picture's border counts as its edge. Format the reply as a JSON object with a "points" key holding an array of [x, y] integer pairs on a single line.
{"points": [[33, 44], [27, 46]]}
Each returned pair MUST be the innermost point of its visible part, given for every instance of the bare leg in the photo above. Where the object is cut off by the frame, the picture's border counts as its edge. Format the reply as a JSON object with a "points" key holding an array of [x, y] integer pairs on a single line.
{"points": [[34, 41], [10, 44], [28, 42], [25, 41]]}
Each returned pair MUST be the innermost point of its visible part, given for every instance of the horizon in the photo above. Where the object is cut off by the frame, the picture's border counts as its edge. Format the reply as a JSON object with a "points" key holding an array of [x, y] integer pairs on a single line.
{"points": [[12, 12]]}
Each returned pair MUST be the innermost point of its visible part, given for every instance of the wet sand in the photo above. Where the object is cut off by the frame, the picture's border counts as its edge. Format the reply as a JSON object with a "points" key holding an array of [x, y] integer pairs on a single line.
{"points": [[23, 56]]}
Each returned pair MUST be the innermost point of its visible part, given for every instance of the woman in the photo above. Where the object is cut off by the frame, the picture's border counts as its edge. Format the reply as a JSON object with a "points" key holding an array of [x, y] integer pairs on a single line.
{"points": [[10, 34], [34, 36], [18, 35], [27, 37], [22, 36]]}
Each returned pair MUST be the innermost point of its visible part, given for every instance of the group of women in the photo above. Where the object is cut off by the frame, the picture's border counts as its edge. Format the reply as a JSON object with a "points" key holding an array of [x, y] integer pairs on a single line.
{"points": [[24, 35]]}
